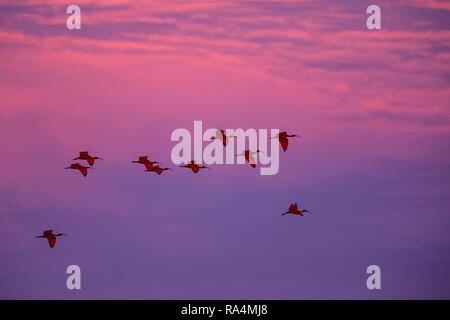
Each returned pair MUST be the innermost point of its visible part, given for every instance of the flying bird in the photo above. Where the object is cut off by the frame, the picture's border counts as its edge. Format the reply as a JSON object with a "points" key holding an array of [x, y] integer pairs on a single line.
{"points": [[84, 155], [249, 157], [146, 162], [194, 167], [283, 139], [77, 166], [293, 209], [220, 134], [51, 237], [157, 169]]}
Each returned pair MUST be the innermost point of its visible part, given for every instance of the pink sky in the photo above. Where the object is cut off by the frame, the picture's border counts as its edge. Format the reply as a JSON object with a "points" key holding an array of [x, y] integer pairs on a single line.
{"points": [[372, 108]]}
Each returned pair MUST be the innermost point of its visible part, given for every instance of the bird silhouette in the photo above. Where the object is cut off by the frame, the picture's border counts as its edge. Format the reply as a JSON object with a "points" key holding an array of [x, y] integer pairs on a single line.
{"points": [[194, 167], [249, 157], [283, 139], [220, 134], [77, 166], [157, 169], [51, 237], [146, 162], [293, 209], [84, 155]]}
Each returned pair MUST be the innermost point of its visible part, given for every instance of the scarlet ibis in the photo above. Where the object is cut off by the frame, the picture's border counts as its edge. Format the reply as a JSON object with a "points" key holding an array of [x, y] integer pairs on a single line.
{"points": [[249, 157], [146, 162], [51, 237], [293, 209], [84, 155], [220, 134], [283, 139], [194, 167], [157, 169], [77, 166]]}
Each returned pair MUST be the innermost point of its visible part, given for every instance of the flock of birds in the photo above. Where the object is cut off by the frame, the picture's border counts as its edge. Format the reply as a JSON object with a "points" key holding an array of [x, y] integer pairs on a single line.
{"points": [[155, 166]]}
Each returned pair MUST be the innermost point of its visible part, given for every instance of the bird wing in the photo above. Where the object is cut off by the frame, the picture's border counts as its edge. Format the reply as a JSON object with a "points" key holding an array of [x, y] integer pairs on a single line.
{"points": [[284, 142], [148, 165], [83, 171], [220, 134], [76, 165], [251, 160], [51, 241]]}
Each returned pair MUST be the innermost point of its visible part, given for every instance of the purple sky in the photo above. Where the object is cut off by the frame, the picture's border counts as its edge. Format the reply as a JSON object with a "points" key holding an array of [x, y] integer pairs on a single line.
{"points": [[372, 108]]}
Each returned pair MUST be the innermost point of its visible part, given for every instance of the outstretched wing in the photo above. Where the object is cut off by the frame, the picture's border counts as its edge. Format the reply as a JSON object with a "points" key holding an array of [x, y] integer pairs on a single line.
{"points": [[51, 241], [220, 134], [251, 160], [84, 171], [284, 142], [148, 165]]}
